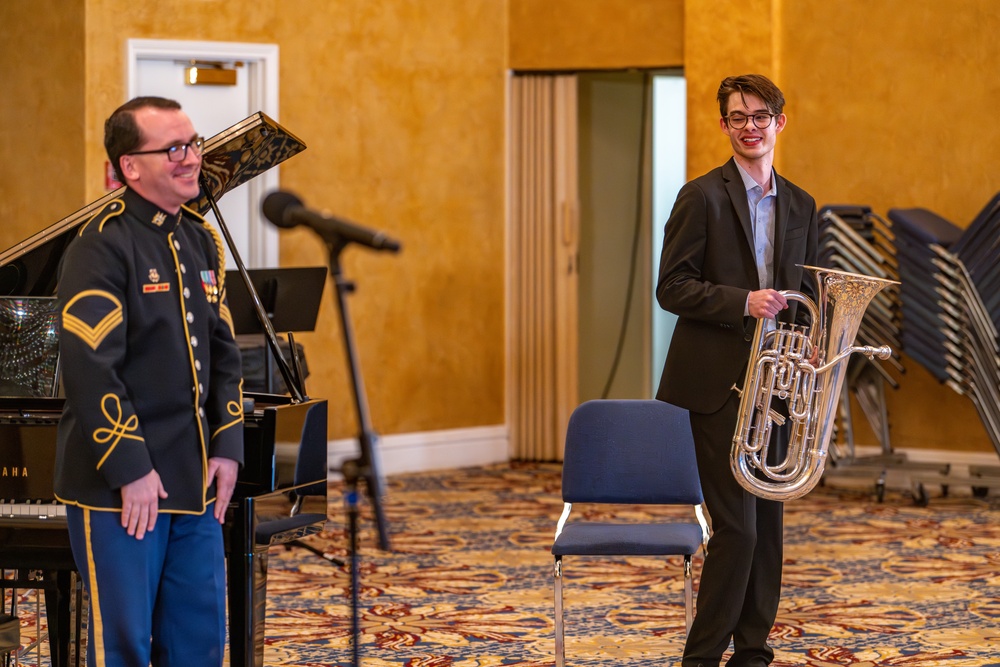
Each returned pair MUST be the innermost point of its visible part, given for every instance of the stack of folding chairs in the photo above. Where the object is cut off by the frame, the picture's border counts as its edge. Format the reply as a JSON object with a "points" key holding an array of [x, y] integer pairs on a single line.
{"points": [[856, 240], [950, 296]]}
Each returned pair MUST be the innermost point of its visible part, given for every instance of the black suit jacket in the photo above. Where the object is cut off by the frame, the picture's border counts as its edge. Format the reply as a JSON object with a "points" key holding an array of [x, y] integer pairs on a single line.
{"points": [[707, 270]]}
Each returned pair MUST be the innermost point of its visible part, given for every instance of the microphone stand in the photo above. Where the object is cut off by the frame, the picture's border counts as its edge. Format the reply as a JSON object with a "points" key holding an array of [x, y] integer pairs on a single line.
{"points": [[354, 469]]}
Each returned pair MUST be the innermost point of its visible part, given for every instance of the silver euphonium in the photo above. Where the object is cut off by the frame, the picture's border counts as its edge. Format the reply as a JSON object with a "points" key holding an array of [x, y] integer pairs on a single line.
{"points": [[804, 367]]}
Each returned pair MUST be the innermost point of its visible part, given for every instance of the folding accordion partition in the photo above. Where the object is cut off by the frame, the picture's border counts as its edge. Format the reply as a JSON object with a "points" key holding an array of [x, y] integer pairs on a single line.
{"points": [[944, 314]]}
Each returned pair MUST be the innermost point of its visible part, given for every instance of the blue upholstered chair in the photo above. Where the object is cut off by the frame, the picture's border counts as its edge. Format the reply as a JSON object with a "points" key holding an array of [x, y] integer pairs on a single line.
{"points": [[628, 452]]}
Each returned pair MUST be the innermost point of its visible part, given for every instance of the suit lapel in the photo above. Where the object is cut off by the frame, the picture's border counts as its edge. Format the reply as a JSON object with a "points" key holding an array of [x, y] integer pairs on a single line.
{"points": [[738, 195], [783, 206]]}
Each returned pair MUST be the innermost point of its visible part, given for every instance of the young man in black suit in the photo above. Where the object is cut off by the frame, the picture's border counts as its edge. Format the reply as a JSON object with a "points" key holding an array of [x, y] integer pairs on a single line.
{"points": [[734, 238]]}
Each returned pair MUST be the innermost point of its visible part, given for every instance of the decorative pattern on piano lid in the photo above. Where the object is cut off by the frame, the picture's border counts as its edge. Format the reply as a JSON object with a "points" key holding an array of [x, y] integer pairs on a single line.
{"points": [[242, 152]]}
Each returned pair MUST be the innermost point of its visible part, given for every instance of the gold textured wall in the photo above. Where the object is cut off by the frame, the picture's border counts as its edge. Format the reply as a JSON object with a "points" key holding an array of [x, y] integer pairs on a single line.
{"points": [[890, 105], [595, 34], [719, 41], [907, 123], [41, 115], [402, 107]]}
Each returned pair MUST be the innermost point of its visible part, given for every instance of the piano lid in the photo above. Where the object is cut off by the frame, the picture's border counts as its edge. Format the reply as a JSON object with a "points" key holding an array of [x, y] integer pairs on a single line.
{"points": [[231, 158]]}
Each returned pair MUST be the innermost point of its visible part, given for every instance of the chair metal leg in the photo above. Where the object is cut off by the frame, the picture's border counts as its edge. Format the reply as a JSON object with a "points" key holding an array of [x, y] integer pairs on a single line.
{"points": [[688, 596], [560, 646]]}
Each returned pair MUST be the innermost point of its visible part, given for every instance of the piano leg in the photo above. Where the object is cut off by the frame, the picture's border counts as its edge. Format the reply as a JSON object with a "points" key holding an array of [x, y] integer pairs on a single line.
{"points": [[247, 589], [57, 615], [65, 609]]}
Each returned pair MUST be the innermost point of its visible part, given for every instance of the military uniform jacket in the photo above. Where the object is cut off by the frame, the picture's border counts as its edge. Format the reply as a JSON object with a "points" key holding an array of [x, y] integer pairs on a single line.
{"points": [[150, 366]]}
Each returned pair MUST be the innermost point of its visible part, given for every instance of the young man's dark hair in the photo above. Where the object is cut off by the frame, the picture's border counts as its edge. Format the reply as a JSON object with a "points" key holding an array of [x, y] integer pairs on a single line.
{"points": [[750, 84]]}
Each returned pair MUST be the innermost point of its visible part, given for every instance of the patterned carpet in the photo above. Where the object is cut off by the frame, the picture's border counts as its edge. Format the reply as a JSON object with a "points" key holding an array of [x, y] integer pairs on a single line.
{"points": [[468, 583]]}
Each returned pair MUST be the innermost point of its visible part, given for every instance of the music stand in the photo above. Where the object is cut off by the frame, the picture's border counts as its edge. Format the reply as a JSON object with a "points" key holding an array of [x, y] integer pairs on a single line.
{"points": [[291, 299]]}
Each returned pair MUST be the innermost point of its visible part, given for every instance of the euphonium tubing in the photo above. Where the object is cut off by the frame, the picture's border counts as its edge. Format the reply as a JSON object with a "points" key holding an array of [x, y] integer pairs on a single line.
{"points": [[805, 367]]}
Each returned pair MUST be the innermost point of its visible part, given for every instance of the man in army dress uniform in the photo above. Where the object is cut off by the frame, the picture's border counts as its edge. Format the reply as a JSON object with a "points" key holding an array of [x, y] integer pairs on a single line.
{"points": [[151, 438]]}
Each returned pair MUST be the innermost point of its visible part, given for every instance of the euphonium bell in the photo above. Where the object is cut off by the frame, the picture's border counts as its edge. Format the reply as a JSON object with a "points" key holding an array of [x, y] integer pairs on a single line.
{"points": [[804, 367]]}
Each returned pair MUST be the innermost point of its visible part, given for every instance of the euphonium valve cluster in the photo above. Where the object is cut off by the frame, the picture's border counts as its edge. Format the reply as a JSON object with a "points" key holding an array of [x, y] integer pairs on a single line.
{"points": [[794, 377]]}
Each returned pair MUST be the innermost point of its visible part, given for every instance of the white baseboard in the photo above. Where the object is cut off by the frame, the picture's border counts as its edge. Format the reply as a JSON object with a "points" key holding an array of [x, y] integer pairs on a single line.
{"points": [[430, 450], [488, 445]]}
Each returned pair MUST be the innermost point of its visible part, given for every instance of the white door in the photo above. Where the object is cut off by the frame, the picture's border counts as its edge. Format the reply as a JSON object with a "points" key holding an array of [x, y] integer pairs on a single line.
{"points": [[158, 68]]}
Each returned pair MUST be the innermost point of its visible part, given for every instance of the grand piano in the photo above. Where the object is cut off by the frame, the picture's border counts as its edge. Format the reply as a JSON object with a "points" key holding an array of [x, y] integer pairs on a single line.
{"points": [[281, 490]]}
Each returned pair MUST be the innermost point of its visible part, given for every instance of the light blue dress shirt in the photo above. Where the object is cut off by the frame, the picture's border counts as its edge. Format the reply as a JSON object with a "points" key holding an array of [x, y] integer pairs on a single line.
{"points": [[762, 220]]}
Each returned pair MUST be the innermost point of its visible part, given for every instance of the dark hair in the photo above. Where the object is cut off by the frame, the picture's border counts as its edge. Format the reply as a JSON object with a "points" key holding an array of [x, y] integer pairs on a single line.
{"points": [[121, 133], [751, 84]]}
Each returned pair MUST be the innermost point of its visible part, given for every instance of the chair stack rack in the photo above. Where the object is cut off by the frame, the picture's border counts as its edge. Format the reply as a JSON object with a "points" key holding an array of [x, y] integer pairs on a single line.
{"points": [[856, 240], [951, 315]]}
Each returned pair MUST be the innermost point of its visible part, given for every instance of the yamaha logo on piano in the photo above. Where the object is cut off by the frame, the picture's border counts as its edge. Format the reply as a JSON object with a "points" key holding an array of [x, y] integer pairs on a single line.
{"points": [[14, 471]]}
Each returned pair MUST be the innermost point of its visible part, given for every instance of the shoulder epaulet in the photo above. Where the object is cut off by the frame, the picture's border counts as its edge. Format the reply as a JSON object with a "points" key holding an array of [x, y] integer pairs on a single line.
{"points": [[112, 209], [193, 213]]}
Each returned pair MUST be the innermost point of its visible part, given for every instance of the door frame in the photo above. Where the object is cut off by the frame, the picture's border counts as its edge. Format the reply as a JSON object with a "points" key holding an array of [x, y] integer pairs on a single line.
{"points": [[261, 63]]}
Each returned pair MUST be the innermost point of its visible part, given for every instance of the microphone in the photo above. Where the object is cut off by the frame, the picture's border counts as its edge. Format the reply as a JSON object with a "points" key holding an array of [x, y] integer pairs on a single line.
{"points": [[286, 210]]}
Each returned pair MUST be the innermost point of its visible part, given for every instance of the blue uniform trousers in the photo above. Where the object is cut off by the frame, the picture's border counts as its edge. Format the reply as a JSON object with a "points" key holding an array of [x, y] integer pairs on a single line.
{"points": [[160, 600]]}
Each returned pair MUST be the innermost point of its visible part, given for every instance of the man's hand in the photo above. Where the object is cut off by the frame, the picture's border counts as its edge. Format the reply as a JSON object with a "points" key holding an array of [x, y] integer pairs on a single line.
{"points": [[766, 303], [140, 503], [224, 472]]}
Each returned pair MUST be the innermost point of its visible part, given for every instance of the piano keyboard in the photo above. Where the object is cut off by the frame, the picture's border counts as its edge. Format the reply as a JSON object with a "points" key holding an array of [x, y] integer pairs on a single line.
{"points": [[32, 510]]}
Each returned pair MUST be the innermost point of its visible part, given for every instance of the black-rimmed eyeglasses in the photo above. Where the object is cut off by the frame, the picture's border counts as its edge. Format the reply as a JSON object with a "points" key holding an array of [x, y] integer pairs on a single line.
{"points": [[177, 152], [738, 121]]}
